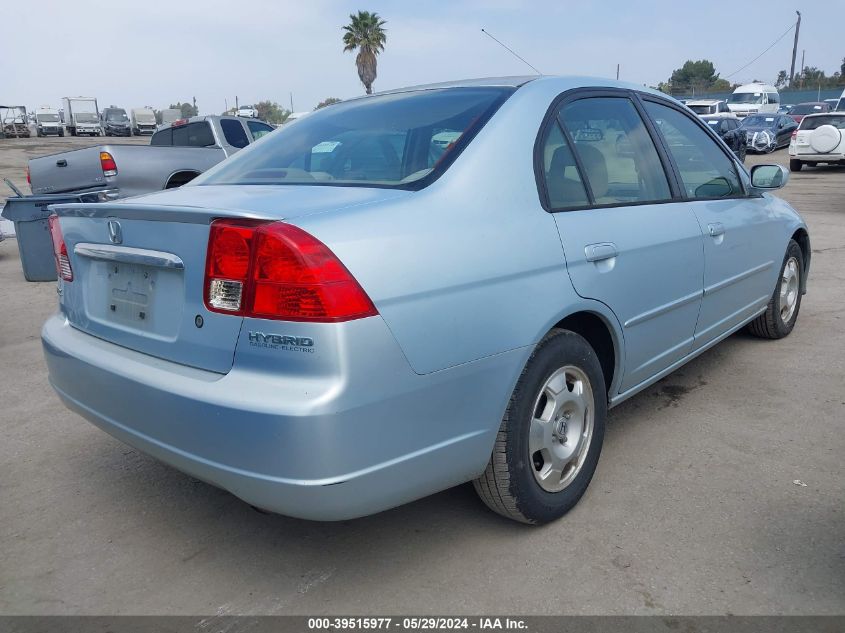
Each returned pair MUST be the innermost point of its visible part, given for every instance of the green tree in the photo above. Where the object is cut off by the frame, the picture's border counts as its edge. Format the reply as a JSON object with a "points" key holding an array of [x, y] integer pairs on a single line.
{"points": [[696, 76], [188, 109], [780, 82], [271, 112], [327, 102], [365, 32], [842, 68]]}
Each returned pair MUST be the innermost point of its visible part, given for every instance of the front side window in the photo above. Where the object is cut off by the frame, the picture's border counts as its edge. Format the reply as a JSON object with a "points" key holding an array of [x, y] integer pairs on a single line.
{"points": [[393, 140], [620, 162], [258, 129], [706, 172], [746, 98]]}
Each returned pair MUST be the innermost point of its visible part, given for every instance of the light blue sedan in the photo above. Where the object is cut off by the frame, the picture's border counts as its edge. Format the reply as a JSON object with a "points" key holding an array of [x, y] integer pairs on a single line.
{"points": [[409, 291]]}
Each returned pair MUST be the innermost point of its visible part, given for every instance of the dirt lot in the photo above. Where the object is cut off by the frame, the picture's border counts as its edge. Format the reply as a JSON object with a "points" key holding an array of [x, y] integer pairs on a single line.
{"points": [[693, 509]]}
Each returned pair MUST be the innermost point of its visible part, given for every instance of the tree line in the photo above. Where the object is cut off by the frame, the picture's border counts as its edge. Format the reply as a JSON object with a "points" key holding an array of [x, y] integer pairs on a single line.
{"points": [[701, 77]]}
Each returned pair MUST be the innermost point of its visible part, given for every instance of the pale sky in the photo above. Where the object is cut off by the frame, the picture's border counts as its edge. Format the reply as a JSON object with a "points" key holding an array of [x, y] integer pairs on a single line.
{"points": [[151, 52]]}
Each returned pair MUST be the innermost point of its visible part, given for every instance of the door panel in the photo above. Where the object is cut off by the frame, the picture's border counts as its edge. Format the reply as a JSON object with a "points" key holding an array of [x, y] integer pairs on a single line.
{"points": [[634, 249], [737, 230], [652, 284]]}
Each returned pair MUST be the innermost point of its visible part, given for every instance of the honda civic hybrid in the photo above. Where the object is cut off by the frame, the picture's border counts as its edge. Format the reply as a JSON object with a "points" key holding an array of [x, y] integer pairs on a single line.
{"points": [[408, 291]]}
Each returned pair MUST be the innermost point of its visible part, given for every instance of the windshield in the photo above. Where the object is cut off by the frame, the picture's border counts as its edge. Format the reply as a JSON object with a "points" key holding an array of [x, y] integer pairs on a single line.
{"points": [[812, 122], [86, 117], [702, 109], [809, 108], [48, 118], [758, 121], [117, 116], [392, 140], [145, 117], [746, 97]]}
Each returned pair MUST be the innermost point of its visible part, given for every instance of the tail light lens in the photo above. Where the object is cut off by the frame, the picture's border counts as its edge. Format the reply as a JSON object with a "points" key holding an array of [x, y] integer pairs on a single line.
{"points": [[28, 179], [108, 164], [63, 269], [278, 271], [794, 133]]}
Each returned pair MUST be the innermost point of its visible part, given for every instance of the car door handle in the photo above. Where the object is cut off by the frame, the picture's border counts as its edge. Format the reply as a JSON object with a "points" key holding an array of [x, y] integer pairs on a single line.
{"points": [[599, 252], [716, 229], [61, 163]]}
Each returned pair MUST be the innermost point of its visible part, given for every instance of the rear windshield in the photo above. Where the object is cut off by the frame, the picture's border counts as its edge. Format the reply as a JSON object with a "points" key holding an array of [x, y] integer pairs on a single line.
{"points": [[395, 140], [197, 134], [812, 122], [808, 108], [702, 109]]}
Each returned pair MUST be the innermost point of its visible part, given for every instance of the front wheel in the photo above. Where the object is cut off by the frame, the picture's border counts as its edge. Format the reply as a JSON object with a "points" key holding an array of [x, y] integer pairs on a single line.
{"points": [[550, 439], [782, 312], [795, 165]]}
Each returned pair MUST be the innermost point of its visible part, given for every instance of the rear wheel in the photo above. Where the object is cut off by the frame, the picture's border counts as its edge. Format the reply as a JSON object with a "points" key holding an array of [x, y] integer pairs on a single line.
{"points": [[795, 165], [551, 436], [782, 312]]}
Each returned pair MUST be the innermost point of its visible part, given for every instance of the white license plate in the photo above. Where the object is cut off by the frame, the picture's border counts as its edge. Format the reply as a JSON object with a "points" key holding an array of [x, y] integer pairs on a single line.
{"points": [[131, 290]]}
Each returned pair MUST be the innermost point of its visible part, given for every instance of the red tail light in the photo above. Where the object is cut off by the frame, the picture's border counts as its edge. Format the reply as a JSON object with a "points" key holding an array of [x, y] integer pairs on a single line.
{"points": [[28, 179], [63, 269], [794, 133], [108, 164], [278, 271]]}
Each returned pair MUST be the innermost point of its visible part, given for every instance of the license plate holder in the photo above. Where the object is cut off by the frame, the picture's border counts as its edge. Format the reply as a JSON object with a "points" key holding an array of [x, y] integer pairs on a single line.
{"points": [[131, 292]]}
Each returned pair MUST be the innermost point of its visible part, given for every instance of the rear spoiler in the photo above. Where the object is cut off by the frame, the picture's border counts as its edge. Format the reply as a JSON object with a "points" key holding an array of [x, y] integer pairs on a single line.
{"points": [[154, 212]]}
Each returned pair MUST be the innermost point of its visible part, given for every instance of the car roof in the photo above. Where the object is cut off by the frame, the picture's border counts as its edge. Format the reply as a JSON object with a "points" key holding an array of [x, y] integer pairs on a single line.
{"points": [[813, 103], [832, 113], [703, 101]]}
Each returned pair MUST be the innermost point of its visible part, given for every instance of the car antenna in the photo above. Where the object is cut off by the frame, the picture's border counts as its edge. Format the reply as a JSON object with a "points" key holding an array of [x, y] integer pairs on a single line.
{"points": [[511, 51]]}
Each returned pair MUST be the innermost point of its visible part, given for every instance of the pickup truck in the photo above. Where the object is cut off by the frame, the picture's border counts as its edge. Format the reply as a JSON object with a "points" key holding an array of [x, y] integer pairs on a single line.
{"points": [[176, 154]]}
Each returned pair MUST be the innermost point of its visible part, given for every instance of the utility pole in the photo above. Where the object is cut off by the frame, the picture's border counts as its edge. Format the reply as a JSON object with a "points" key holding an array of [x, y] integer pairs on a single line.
{"points": [[795, 49], [617, 72], [802, 68], [291, 102]]}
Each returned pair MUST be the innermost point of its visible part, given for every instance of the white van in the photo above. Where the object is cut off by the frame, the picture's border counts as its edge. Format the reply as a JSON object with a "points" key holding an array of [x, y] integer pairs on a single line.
{"points": [[754, 98]]}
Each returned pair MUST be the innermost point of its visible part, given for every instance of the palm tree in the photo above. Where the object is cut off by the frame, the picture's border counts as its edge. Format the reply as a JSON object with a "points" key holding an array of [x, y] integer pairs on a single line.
{"points": [[365, 33]]}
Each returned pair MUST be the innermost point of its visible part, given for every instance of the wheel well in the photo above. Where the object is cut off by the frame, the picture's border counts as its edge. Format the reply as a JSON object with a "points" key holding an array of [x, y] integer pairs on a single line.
{"points": [[180, 178], [595, 330], [803, 240]]}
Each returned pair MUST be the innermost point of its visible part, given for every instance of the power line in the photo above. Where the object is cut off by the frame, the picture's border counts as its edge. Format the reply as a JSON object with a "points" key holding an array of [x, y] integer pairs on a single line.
{"points": [[761, 54]]}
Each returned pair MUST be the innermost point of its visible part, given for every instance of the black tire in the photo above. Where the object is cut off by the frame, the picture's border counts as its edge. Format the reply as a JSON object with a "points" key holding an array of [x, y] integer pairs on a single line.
{"points": [[508, 485], [771, 324], [795, 165]]}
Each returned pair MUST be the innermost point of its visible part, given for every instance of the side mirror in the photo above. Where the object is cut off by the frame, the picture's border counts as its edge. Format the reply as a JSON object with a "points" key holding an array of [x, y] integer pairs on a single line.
{"points": [[769, 176]]}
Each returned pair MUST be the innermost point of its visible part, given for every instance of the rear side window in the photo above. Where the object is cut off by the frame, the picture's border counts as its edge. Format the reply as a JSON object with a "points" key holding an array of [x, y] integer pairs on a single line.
{"points": [[193, 135], [258, 129], [706, 172], [162, 138], [563, 182], [234, 132], [618, 158]]}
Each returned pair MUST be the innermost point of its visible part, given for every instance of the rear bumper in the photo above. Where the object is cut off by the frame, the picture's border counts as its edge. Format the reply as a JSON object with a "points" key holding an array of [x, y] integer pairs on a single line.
{"points": [[324, 447], [816, 158]]}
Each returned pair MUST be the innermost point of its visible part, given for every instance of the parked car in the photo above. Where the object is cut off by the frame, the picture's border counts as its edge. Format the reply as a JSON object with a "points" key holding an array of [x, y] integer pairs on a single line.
{"points": [[348, 315], [47, 122], [248, 112], [176, 155], [727, 128], [767, 132], [753, 98], [803, 109], [785, 108], [115, 122], [820, 138], [710, 107]]}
